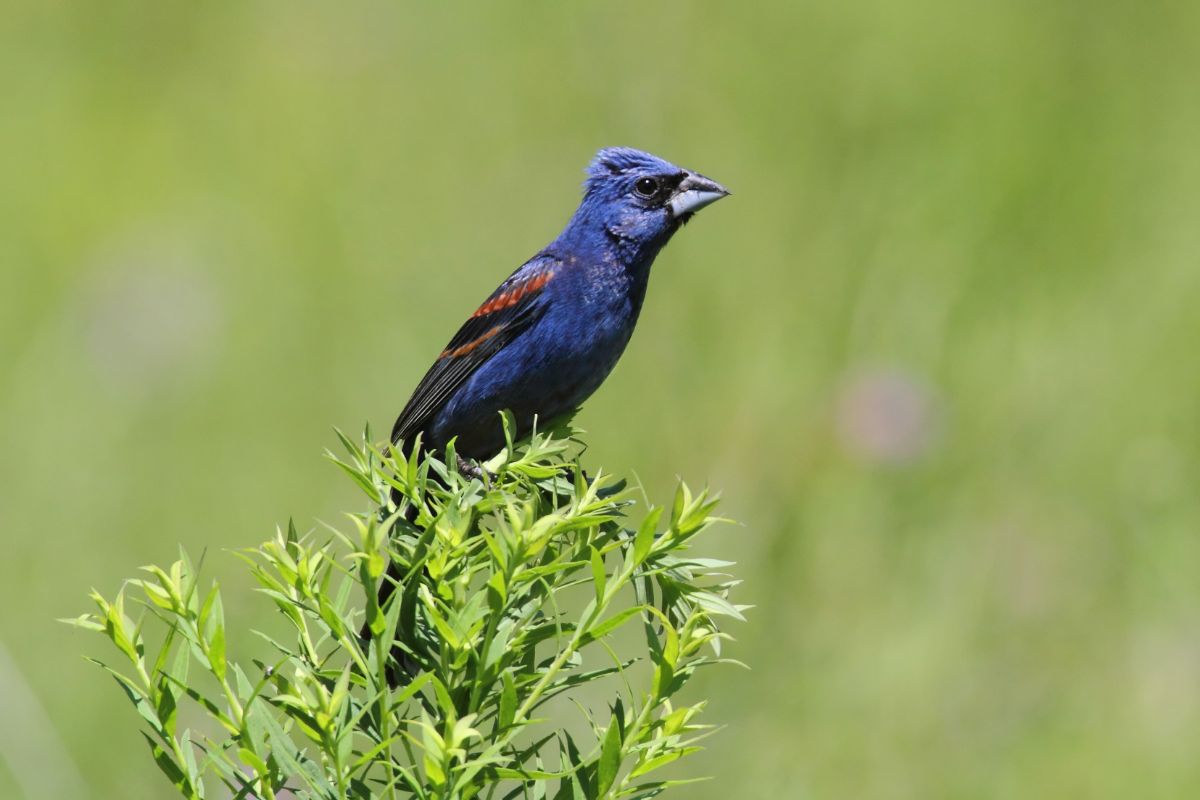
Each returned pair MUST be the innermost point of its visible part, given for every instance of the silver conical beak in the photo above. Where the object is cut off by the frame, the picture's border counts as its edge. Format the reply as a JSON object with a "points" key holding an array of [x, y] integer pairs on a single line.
{"points": [[694, 193]]}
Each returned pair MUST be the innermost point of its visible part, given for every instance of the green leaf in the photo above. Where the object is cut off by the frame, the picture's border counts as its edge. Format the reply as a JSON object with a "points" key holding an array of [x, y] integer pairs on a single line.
{"points": [[508, 701], [443, 697], [294, 761], [340, 692], [86, 621], [526, 774], [166, 709], [417, 684], [683, 498], [353, 449], [599, 577], [168, 766], [206, 608], [211, 708], [715, 604], [434, 747], [645, 536], [253, 761], [140, 701], [116, 626], [610, 758], [448, 633], [661, 761], [164, 650], [216, 651], [359, 478], [611, 624]]}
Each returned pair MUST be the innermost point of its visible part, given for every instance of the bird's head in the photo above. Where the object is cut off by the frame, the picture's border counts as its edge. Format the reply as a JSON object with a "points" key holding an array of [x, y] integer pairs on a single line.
{"points": [[640, 199]]}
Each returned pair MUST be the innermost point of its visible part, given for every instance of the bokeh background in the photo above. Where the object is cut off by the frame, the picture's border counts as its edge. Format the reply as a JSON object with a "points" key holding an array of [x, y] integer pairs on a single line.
{"points": [[938, 352]]}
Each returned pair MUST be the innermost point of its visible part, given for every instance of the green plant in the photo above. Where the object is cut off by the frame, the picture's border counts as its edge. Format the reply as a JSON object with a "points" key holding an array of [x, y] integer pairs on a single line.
{"points": [[522, 585]]}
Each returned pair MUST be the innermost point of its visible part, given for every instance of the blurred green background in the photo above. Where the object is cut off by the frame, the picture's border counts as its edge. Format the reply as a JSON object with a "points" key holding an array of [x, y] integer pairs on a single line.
{"points": [[934, 351]]}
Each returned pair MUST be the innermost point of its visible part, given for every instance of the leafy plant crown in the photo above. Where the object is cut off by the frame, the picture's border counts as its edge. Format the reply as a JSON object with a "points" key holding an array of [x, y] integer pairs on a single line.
{"points": [[521, 587]]}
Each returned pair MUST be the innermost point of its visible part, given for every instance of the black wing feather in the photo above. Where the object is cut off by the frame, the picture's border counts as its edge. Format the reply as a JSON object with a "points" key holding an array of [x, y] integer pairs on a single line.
{"points": [[495, 324]]}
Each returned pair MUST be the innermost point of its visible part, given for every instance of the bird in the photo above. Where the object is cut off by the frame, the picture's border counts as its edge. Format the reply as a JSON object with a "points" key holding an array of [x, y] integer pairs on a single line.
{"points": [[549, 335]]}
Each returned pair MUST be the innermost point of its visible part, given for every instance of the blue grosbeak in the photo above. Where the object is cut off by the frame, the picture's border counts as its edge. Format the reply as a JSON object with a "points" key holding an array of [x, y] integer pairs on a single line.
{"points": [[551, 333]]}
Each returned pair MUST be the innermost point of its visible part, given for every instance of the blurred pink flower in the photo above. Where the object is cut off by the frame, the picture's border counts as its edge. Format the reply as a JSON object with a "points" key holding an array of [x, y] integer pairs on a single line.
{"points": [[886, 416]]}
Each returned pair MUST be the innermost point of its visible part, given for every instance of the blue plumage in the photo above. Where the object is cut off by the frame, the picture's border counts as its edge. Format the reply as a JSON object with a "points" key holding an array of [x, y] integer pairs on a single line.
{"points": [[552, 332]]}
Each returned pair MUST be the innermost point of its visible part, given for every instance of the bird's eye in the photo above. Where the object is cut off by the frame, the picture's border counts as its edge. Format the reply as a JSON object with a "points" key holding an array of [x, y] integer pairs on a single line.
{"points": [[646, 187]]}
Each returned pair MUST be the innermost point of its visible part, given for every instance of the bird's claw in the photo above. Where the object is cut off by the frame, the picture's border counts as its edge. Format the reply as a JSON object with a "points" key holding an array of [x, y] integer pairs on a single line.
{"points": [[472, 469]]}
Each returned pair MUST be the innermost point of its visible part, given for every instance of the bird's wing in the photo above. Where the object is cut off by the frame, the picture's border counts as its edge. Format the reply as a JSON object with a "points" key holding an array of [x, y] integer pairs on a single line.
{"points": [[511, 309]]}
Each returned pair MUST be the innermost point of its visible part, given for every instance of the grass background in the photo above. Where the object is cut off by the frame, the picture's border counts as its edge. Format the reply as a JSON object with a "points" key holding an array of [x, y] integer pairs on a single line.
{"points": [[938, 351]]}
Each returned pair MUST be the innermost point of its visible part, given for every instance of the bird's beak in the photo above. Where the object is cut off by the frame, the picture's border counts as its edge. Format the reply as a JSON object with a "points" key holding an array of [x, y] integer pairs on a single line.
{"points": [[694, 193]]}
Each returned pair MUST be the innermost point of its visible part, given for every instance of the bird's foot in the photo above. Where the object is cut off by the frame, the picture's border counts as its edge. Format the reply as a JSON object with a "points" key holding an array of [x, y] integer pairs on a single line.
{"points": [[580, 473], [472, 469]]}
